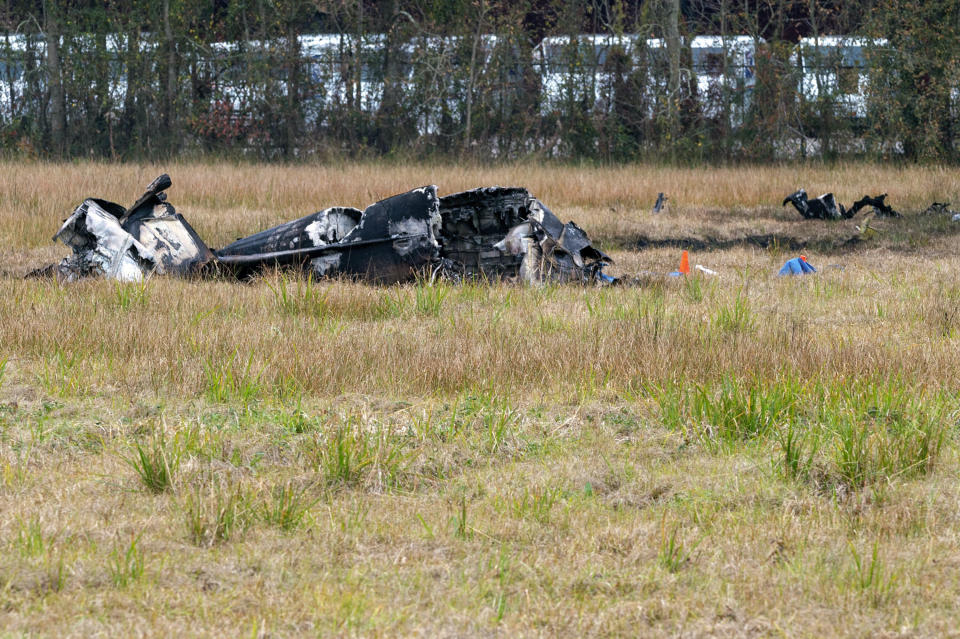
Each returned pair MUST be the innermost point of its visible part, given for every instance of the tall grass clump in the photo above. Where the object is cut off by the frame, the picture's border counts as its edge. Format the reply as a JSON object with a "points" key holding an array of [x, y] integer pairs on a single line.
{"points": [[296, 295], [391, 304], [216, 510], [30, 540], [671, 400], [731, 410], [859, 433], [458, 520], [735, 411], [225, 380], [126, 563], [693, 288], [287, 507], [155, 464], [499, 422], [674, 553], [536, 503], [651, 313], [130, 295], [62, 373], [429, 297], [343, 455], [799, 447], [871, 446], [915, 423], [870, 576], [349, 455], [736, 317]]}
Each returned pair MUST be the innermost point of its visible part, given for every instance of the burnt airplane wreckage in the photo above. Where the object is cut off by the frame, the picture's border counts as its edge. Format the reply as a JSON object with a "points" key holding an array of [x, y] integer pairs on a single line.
{"points": [[493, 233], [826, 207]]}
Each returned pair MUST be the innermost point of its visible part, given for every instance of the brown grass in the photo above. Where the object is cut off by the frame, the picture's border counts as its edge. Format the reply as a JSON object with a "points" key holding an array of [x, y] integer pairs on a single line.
{"points": [[481, 460]]}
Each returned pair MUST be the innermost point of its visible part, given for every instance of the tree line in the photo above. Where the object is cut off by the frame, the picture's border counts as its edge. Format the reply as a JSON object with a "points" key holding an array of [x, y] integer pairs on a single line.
{"points": [[602, 80]]}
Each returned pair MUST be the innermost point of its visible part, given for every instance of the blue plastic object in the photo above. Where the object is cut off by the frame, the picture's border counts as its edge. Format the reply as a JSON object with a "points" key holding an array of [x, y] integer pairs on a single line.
{"points": [[796, 266]]}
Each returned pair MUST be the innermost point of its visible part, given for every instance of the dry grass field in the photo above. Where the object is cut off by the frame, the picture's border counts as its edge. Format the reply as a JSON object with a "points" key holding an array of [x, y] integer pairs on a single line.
{"points": [[742, 455]]}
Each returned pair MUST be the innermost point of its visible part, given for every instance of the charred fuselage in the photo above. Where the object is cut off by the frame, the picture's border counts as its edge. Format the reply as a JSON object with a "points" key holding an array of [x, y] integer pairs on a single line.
{"points": [[491, 233]]}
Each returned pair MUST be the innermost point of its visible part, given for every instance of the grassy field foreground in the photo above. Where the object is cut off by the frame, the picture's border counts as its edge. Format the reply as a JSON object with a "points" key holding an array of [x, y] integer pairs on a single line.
{"points": [[744, 455]]}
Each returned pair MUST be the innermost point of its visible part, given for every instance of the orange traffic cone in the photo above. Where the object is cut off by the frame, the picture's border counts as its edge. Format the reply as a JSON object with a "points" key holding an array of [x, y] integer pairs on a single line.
{"points": [[684, 264]]}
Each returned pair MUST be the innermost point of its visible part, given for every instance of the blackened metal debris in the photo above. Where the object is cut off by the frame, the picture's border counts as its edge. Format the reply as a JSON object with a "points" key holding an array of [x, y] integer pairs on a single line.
{"points": [[491, 233], [472, 222], [553, 251], [505, 233], [939, 208], [879, 206], [391, 241], [128, 244], [825, 207], [942, 208], [660, 203]]}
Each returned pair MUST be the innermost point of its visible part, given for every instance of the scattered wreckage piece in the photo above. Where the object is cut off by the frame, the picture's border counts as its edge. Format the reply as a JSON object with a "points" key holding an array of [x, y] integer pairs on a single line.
{"points": [[491, 233], [879, 206], [128, 244], [939, 208], [391, 241], [942, 208], [661, 202], [177, 248], [825, 207], [553, 251], [100, 246]]}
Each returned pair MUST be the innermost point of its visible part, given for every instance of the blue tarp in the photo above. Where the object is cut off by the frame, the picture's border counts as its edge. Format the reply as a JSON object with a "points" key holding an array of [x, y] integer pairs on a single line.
{"points": [[796, 266]]}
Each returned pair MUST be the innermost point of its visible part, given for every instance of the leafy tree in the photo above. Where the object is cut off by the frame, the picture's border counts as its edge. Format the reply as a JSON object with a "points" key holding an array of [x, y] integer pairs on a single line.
{"points": [[916, 77]]}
